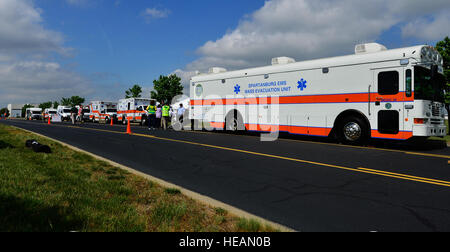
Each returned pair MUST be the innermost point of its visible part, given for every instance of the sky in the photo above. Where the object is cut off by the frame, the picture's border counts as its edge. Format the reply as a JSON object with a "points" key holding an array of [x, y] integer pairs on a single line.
{"points": [[97, 49]]}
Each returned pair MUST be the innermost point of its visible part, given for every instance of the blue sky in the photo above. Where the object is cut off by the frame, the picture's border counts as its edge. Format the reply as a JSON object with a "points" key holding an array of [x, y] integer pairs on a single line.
{"points": [[116, 40], [98, 48]]}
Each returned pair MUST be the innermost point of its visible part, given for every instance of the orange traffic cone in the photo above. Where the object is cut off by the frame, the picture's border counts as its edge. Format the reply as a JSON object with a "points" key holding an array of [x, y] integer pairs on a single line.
{"points": [[49, 121], [112, 122], [129, 128]]}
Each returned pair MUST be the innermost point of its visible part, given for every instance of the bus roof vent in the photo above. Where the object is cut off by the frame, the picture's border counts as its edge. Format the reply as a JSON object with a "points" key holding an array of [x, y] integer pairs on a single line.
{"points": [[369, 48], [282, 61], [216, 70]]}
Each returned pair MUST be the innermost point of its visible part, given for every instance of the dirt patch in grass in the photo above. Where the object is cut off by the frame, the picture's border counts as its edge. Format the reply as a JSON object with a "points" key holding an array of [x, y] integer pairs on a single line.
{"points": [[72, 191]]}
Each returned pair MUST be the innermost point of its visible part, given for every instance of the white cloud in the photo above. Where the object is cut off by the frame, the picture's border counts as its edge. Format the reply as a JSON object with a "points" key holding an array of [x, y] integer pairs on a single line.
{"points": [[434, 28], [185, 78], [154, 13], [26, 74], [21, 30], [307, 29], [36, 81]]}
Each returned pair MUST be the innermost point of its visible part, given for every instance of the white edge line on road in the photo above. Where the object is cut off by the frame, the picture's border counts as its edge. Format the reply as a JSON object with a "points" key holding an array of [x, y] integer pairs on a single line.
{"points": [[194, 195]]}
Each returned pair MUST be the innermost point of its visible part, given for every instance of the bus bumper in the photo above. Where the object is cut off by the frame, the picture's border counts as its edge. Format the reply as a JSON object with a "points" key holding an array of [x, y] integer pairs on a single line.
{"points": [[430, 131]]}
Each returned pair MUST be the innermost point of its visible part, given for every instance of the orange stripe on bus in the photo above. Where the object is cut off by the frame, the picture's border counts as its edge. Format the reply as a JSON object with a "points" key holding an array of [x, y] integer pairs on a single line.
{"points": [[332, 98]]}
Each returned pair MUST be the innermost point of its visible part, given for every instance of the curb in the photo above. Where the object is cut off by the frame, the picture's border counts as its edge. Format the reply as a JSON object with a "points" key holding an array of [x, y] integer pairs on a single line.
{"points": [[196, 196]]}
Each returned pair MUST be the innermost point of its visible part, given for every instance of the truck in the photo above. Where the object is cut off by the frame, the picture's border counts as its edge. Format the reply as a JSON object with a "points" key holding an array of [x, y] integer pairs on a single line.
{"points": [[33, 114], [102, 111], [64, 112], [134, 110], [378, 93], [49, 113]]}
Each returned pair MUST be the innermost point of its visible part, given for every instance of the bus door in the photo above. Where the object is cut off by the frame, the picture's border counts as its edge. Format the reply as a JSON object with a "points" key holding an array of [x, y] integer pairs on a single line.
{"points": [[386, 107]]}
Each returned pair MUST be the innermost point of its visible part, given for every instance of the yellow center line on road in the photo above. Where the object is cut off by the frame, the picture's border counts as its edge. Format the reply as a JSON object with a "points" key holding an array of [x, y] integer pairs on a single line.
{"points": [[359, 170], [347, 146]]}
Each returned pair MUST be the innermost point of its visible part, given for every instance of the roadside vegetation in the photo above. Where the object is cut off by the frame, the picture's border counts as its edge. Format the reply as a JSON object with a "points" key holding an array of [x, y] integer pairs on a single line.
{"points": [[70, 191]]}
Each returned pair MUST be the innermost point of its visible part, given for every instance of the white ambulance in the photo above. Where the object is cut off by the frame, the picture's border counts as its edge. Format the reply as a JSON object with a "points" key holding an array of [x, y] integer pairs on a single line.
{"points": [[133, 109], [102, 111], [49, 113], [64, 112], [375, 93], [33, 114]]}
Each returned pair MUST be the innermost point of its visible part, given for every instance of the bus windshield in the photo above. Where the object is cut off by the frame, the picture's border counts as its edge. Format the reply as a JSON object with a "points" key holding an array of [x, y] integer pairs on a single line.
{"points": [[427, 89], [35, 112]]}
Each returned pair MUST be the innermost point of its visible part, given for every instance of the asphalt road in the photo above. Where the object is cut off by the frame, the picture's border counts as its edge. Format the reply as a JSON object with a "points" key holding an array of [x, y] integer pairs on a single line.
{"points": [[306, 184]]}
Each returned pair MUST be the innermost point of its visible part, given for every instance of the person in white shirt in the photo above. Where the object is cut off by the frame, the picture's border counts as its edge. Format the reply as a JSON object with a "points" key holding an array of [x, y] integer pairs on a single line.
{"points": [[180, 113]]}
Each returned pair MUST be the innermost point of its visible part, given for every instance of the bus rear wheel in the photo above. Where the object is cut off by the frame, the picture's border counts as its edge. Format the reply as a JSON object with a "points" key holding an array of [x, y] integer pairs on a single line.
{"points": [[234, 122], [353, 130]]}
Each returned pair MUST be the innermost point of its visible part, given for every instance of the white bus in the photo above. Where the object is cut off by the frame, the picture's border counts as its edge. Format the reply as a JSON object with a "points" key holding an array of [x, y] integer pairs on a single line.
{"points": [[375, 93]]}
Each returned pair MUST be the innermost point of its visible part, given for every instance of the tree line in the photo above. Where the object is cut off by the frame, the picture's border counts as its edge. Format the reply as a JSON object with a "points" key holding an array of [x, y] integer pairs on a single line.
{"points": [[165, 89]]}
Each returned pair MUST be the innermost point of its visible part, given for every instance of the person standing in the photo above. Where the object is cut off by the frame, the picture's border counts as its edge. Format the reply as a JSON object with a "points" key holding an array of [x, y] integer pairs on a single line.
{"points": [[151, 109], [80, 113], [158, 116], [180, 114], [165, 116], [73, 113]]}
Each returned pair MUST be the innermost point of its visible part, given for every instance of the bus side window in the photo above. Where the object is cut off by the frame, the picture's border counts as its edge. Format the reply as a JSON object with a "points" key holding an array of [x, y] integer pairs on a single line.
{"points": [[388, 83], [408, 79]]}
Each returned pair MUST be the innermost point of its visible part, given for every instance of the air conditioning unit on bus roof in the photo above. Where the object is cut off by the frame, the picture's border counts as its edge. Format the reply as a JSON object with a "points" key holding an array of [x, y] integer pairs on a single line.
{"points": [[282, 61], [216, 70], [369, 48]]}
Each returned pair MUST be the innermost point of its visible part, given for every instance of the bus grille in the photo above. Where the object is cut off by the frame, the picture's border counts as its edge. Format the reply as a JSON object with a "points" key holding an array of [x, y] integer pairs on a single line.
{"points": [[436, 110]]}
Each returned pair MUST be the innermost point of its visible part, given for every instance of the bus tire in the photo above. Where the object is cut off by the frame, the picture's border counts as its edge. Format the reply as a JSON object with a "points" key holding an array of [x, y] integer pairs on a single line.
{"points": [[353, 130], [234, 122]]}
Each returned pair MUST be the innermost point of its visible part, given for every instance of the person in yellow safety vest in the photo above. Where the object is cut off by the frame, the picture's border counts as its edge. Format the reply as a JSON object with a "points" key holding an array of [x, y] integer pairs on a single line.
{"points": [[165, 116], [151, 109]]}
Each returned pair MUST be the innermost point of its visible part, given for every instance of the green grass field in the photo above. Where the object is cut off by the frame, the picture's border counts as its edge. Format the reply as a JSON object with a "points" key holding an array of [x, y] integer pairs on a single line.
{"points": [[70, 191]]}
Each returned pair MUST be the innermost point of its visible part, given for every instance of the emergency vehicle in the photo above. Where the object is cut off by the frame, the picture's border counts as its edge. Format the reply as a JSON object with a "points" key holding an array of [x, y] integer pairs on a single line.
{"points": [[64, 112], [133, 109], [103, 111], [49, 113], [375, 93], [33, 114], [87, 114]]}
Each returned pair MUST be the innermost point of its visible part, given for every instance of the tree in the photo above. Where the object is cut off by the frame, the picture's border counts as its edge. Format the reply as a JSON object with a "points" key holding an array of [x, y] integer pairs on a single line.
{"points": [[3, 111], [443, 48], [65, 101], [72, 101], [76, 100], [45, 105], [134, 92], [166, 88], [24, 109], [55, 104]]}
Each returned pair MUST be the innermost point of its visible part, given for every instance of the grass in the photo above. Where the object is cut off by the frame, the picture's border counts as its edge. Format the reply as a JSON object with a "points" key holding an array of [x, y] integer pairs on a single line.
{"points": [[70, 191]]}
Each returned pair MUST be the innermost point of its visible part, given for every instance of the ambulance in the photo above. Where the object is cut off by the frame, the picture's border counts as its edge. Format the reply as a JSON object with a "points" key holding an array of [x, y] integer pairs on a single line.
{"points": [[102, 111], [33, 114], [375, 93], [133, 109], [87, 114], [64, 112], [49, 113]]}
